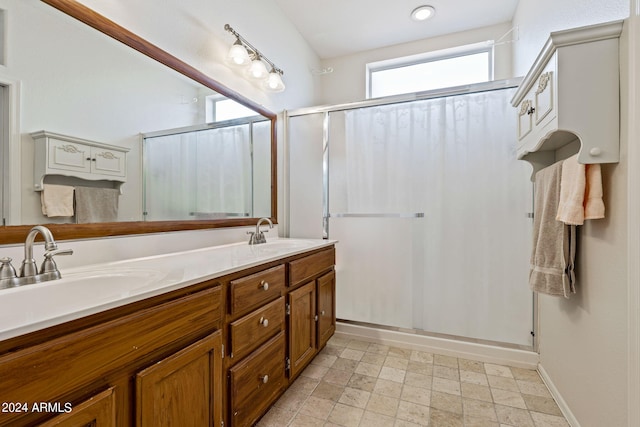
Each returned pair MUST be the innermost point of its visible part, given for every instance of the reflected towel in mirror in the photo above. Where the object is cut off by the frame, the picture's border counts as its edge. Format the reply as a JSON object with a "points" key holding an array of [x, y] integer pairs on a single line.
{"points": [[96, 204], [57, 200]]}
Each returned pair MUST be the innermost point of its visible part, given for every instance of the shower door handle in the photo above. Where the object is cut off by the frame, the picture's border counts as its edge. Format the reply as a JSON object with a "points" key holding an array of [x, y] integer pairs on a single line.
{"points": [[377, 215]]}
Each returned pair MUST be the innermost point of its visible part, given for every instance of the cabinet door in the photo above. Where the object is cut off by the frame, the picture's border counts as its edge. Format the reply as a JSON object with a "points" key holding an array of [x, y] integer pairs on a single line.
{"points": [[184, 389], [326, 308], [98, 411], [302, 327], [108, 162], [65, 156]]}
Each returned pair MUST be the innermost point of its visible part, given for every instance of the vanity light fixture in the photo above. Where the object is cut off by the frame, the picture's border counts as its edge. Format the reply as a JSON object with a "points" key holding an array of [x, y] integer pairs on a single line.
{"points": [[252, 61], [422, 13]]}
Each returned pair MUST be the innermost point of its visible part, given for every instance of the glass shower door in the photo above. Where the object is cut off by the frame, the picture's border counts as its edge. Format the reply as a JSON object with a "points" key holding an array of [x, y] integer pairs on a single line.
{"points": [[429, 206]]}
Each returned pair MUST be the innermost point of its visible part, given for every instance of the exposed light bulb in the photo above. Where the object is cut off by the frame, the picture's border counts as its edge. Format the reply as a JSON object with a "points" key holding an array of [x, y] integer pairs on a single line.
{"points": [[274, 83], [238, 55], [257, 70]]}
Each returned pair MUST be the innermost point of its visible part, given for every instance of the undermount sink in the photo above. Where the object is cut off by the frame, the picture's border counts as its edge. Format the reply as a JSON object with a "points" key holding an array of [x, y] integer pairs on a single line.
{"points": [[58, 298]]}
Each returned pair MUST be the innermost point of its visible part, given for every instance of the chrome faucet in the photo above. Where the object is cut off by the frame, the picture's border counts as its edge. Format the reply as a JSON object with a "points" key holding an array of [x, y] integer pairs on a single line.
{"points": [[29, 271], [257, 236]]}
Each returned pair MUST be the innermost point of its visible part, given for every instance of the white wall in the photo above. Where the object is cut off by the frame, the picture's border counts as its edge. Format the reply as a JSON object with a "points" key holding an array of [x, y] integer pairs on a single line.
{"points": [[347, 83], [583, 340]]}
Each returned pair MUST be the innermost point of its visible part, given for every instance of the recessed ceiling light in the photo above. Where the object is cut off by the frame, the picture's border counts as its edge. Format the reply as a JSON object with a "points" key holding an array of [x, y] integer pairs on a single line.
{"points": [[422, 13]]}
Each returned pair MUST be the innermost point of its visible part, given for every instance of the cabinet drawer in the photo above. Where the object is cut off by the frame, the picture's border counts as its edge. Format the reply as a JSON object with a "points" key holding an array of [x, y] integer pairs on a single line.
{"points": [[252, 291], [254, 329], [301, 270], [257, 381]]}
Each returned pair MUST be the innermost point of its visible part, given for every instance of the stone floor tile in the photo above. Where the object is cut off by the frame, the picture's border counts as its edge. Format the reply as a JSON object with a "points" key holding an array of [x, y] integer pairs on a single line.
{"points": [[446, 402], [358, 345], [276, 417], [402, 353], [338, 341], [421, 368], [513, 416], [383, 405], [413, 412], [392, 374], [373, 358], [473, 377], [346, 416], [533, 388], [378, 349], [317, 408], [419, 395], [302, 420], [372, 419], [546, 420], [325, 360], [388, 388], [479, 409], [362, 382], [305, 385], [541, 404], [450, 361], [446, 386], [446, 372], [328, 391], [345, 365], [475, 391], [349, 353], [503, 383], [368, 369], [438, 418], [421, 356], [338, 377], [508, 398], [526, 374], [314, 371], [471, 365], [396, 362], [479, 422], [498, 370], [355, 397], [418, 380]]}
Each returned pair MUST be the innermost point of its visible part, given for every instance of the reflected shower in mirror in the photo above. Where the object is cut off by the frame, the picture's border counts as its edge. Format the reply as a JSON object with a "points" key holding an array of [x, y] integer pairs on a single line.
{"points": [[208, 173]]}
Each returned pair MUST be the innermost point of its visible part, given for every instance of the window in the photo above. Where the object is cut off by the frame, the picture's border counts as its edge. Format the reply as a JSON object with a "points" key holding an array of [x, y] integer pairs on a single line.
{"points": [[445, 68], [219, 108]]}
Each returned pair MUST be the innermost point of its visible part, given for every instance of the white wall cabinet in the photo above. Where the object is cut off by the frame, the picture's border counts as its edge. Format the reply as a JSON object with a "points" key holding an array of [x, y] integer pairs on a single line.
{"points": [[57, 154], [571, 94]]}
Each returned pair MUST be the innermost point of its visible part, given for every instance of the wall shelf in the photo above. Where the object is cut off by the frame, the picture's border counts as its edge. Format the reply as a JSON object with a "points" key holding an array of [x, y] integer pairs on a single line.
{"points": [[569, 100]]}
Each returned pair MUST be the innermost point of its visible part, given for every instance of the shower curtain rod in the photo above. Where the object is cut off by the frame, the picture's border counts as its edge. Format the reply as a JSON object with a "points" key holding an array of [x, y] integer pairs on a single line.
{"points": [[419, 96]]}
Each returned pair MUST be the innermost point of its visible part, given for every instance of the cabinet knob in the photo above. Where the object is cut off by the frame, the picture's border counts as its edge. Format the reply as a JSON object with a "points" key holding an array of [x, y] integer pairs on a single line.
{"points": [[316, 318], [264, 322], [322, 313], [531, 110], [264, 379], [264, 285], [595, 151]]}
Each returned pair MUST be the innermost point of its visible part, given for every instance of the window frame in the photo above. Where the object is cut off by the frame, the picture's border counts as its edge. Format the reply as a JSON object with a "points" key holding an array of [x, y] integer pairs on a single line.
{"points": [[427, 57]]}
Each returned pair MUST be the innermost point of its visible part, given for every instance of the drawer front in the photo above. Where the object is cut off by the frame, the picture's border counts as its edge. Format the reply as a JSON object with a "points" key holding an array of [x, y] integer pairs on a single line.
{"points": [[301, 270], [253, 291], [252, 330], [257, 381], [105, 348]]}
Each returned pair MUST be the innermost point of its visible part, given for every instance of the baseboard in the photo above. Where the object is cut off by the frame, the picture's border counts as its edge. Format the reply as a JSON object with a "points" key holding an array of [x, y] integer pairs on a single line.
{"points": [[449, 347], [571, 419]]}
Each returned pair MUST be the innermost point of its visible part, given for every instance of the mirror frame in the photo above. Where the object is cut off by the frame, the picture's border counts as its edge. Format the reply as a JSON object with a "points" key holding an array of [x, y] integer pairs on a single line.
{"points": [[17, 233]]}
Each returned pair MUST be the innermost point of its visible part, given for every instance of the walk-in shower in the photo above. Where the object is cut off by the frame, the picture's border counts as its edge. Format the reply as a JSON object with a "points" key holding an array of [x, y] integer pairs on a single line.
{"points": [[431, 211]]}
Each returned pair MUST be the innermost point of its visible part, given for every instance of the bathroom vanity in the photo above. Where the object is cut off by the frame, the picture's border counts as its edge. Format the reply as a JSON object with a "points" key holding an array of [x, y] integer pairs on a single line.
{"points": [[214, 338]]}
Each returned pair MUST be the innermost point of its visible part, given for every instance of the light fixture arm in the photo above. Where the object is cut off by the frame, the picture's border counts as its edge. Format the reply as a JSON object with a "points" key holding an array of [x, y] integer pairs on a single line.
{"points": [[252, 49]]}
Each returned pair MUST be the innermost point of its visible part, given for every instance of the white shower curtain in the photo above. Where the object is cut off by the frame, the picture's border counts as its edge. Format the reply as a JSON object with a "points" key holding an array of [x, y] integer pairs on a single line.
{"points": [[462, 268]]}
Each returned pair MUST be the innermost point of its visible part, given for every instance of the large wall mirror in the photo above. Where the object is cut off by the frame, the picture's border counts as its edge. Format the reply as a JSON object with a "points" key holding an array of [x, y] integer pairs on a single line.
{"points": [[198, 155]]}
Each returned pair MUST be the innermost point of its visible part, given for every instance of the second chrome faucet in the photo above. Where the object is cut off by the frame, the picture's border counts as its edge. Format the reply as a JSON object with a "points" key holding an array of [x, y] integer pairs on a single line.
{"points": [[257, 237]]}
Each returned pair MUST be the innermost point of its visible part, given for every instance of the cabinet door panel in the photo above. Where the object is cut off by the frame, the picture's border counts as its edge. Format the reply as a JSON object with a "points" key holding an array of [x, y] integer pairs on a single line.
{"points": [[251, 331], [302, 327], [107, 162], [326, 308], [184, 389], [66, 156], [98, 411]]}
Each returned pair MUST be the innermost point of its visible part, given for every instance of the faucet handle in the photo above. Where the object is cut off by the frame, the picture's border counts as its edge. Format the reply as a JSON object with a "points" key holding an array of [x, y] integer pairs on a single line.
{"points": [[51, 254], [6, 269], [49, 265]]}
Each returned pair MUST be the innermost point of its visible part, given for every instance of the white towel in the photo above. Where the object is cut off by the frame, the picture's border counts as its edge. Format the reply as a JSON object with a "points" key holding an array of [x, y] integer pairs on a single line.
{"points": [[580, 192], [57, 200]]}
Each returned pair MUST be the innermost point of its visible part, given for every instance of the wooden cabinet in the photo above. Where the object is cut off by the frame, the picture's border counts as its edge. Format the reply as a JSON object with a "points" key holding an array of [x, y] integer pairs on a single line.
{"points": [[217, 353], [311, 307], [184, 389], [302, 327], [99, 410]]}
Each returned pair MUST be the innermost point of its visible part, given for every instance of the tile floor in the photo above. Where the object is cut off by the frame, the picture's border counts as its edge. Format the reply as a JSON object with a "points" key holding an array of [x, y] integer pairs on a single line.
{"points": [[355, 383]]}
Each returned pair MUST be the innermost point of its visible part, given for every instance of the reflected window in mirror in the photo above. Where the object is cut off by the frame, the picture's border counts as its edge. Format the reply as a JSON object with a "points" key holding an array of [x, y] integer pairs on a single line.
{"points": [[220, 108]]}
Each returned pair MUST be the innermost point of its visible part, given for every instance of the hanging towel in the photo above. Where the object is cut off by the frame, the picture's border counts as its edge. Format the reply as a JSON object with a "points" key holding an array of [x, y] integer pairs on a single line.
{"points": [[580, 192], [57, 200], [593, 203], [96, 204], [553, 249]]}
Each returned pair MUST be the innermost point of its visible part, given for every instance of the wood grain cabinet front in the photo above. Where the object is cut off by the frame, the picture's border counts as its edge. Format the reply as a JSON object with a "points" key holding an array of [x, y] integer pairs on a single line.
{"points": [[184, 389], [98, 411], [250, 292], [254, 329], [257, 381]]}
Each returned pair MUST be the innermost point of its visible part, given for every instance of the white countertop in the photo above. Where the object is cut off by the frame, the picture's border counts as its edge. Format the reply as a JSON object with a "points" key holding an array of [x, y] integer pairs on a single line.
{"points": [[99, 287]]}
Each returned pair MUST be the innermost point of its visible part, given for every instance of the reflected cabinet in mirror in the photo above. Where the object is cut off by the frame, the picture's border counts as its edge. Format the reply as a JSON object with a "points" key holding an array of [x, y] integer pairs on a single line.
{"points": [[159, 144]]}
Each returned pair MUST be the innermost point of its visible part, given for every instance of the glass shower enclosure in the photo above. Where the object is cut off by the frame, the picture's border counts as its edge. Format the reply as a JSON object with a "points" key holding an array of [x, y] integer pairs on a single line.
{"points": [[431, 212]]}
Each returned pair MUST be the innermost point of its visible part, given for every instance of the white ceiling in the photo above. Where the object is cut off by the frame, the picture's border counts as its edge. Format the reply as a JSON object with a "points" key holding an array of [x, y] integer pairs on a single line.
{"points": [[340, 27]]}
